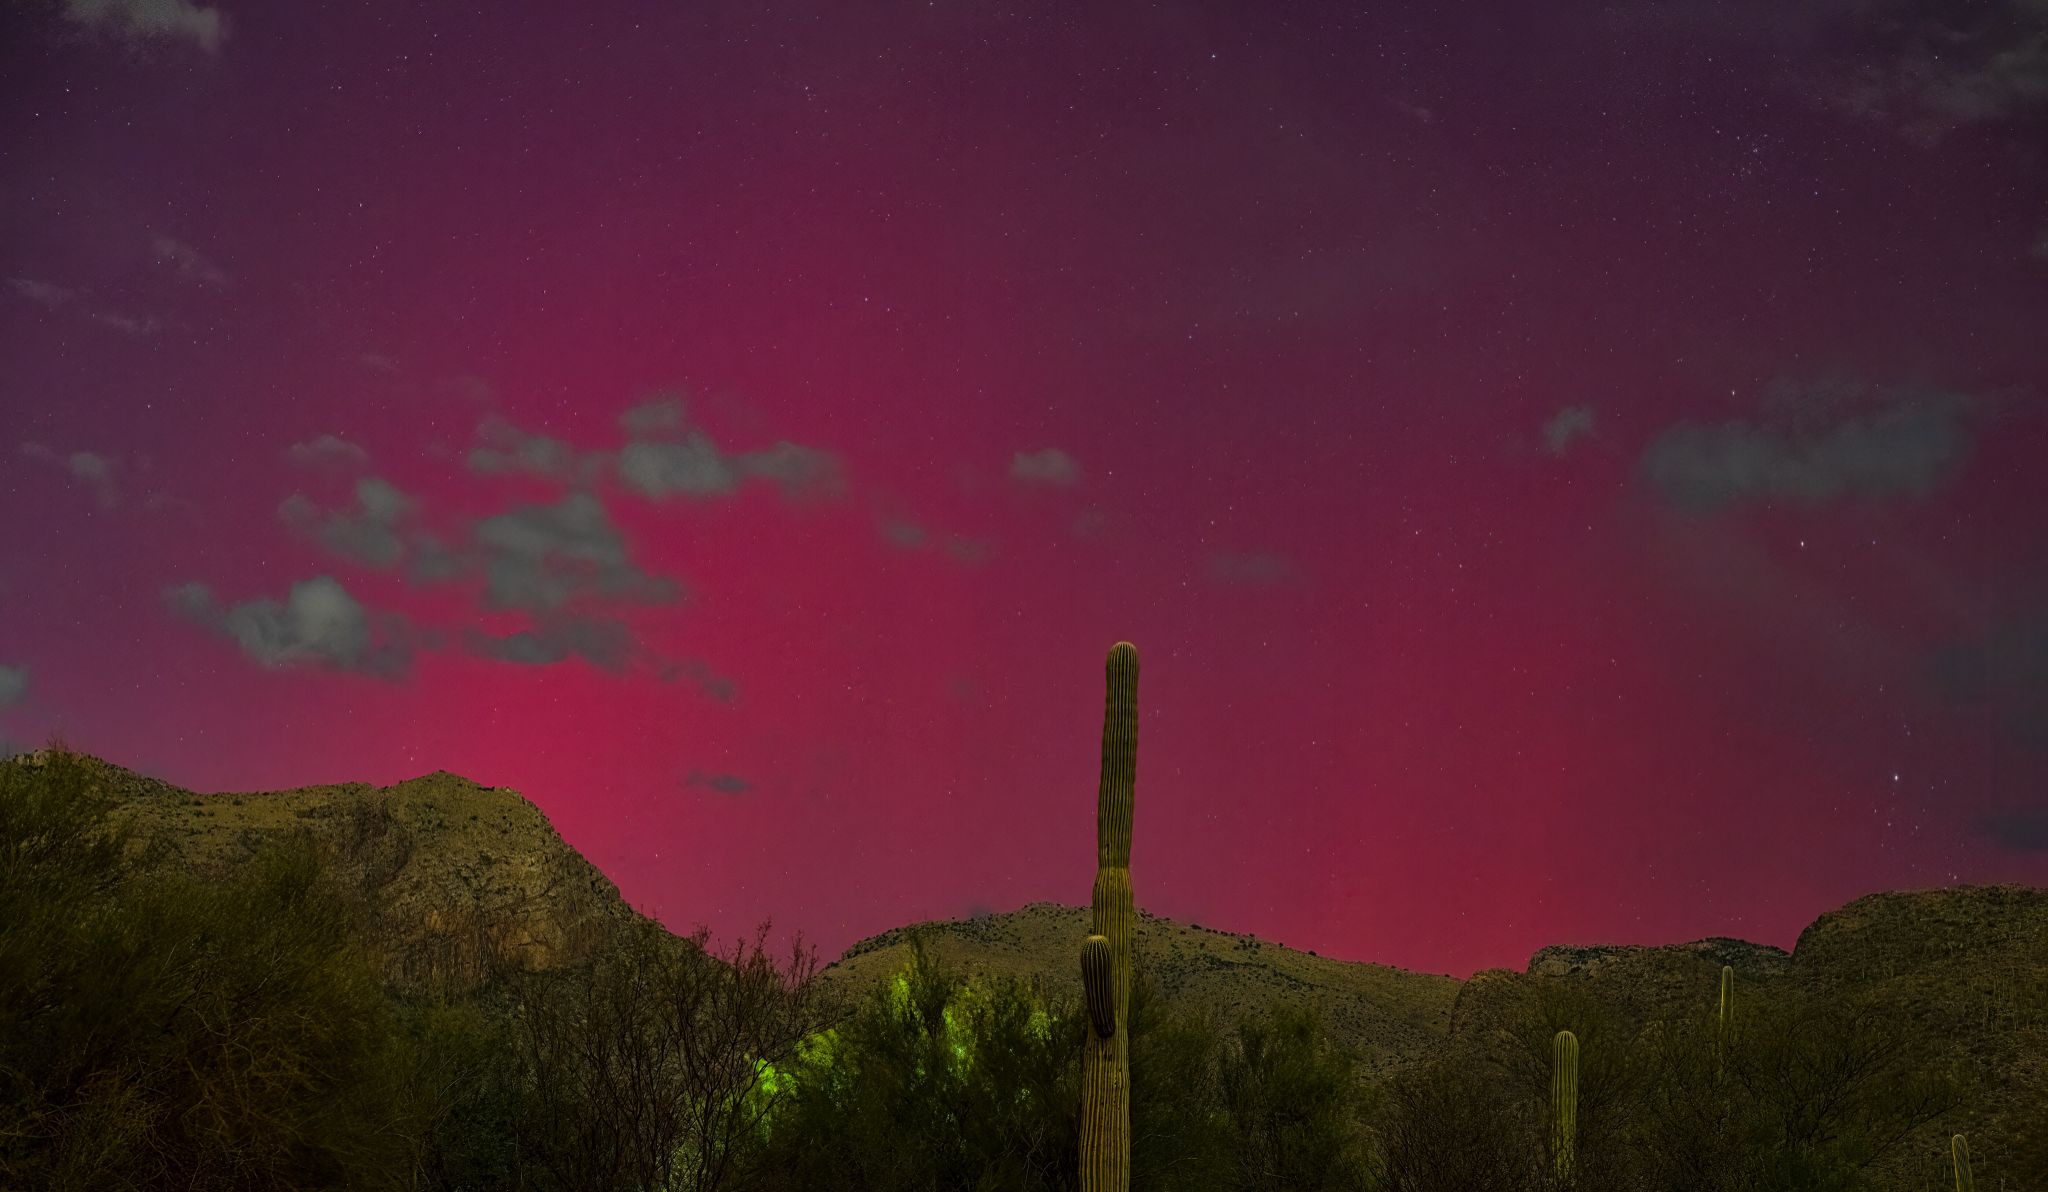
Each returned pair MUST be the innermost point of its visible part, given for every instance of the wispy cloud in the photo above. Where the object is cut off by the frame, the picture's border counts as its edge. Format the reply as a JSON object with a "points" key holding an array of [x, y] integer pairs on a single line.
{"points": [[13, 684], [1818, 445], [1566, 427], [55, 297], [1252, 569], [89, 468], [372, 532], [731, 785], [318, 623], [143, 20], [667, 457], [189, 263], [327, 451], [1048, 466]]}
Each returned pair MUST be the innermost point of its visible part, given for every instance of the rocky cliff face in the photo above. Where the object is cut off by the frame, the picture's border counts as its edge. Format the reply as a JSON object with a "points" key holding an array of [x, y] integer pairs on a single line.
{"points": [[456, 880]]}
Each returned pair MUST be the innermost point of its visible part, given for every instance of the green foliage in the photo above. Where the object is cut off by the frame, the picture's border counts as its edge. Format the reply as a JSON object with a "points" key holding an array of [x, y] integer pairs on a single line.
{"points": [[157, 1030], [1291, 1108], [931, 1082]]}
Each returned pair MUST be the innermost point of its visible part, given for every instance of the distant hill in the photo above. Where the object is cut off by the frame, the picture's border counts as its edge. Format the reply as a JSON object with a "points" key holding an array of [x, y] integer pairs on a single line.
{"points": [[456, 879], [459, 879]]}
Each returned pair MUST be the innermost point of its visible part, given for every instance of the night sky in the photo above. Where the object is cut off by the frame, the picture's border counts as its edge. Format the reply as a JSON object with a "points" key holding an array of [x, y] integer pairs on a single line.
{"points": [[1573, 472]]}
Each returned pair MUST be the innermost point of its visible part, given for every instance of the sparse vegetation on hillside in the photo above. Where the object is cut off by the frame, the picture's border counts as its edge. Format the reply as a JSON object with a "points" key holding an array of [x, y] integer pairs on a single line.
{"points": [[244, 1011]]}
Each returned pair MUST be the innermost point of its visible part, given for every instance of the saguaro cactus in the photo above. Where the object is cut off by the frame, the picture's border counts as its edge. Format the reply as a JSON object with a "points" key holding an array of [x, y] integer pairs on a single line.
{"points": [[1564, 1104], [1726, 1021], [1106, 953], [1959, 1153]]}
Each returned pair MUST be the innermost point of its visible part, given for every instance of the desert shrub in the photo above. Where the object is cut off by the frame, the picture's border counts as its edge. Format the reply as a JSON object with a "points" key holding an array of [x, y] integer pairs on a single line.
{"points": [[158, 1030], [932, 1082], [652, 1067], [1291, 1107]]}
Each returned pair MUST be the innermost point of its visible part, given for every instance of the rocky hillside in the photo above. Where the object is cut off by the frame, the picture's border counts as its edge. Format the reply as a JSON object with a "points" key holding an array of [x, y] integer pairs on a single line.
{"points": [[456, 879]]}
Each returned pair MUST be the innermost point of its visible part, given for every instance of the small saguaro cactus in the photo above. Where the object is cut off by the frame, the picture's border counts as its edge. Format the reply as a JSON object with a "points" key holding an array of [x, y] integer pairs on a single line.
{"points": [[1564, 1104], [1959, 1154], [1106, 953], [1726, 1022]]}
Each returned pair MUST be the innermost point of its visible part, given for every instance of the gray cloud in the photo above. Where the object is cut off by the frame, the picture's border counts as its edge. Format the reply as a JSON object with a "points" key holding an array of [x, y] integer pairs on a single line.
{"points": [[601, 641], [653, 419], [540, 557], [2020, 831], [52, 297], [327, 451], [1813, 451], [318, 624], [667, 457], [178, 20], [370, 533], [724, 784], [1925, 67], [1049, 466], [506, 449], [2005, 670], [1251, 569], [13, 684], [188, 262], [89, 468], [910, 536], [712, 684], [1566, 427], [42, 293], [691, 467]]}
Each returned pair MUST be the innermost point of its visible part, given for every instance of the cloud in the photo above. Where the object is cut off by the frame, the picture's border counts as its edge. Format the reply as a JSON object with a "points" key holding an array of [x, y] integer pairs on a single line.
{"points": [[89, 468], [712, 684], [1566, 427], [1924, 67], [541, 557], [189, 262], [42, 293], [1813, 451], [317, 624], [370, 533], [653, 419], [2020, 831], [910, 536], [1048, 466], [13, 684], [52, 297], [601, 641], [506, 449], [327, 451], [2005, 670], [178, 20], [1251, 569], [666, 457], [724, 784]]}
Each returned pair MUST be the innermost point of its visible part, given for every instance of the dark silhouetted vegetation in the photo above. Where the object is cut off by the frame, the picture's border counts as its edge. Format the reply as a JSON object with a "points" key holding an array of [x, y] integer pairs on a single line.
{"points": [[161, 1029]]}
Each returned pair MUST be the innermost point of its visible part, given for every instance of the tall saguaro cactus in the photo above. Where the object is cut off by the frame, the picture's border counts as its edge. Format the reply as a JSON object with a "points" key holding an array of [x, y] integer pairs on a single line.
{"points": [[1106, 953], [1959, 1153], [1564, 1105]]}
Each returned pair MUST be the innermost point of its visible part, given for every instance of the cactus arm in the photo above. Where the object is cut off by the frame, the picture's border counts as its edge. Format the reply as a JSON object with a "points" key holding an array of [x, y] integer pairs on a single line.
{"points": [[1098, 985]]}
